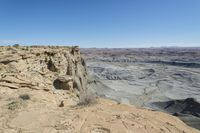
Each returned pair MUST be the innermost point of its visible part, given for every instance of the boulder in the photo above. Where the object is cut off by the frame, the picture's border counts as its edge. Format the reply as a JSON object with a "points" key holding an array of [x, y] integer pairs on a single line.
{"points": [[63, 83]]}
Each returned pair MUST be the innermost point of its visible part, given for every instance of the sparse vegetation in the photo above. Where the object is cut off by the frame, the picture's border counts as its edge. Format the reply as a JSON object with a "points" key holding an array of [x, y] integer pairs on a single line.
{"points": [[18, 103], [16, 45], [87, 98], [24, 97], [15, 105]]}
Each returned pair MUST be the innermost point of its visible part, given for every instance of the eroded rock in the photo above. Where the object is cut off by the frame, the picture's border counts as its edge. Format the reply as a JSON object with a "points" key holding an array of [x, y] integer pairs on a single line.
{"points": [[52, 69], [64, 83]]}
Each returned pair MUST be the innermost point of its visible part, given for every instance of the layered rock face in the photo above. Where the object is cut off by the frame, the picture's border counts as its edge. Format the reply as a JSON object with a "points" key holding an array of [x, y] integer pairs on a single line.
{"points": [[59, 70], [44, 90]]}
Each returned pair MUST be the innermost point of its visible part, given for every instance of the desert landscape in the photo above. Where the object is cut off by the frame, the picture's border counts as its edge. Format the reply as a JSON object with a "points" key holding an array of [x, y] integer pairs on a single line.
{"points": [[48, 90], [100, 66], [164, 79]]}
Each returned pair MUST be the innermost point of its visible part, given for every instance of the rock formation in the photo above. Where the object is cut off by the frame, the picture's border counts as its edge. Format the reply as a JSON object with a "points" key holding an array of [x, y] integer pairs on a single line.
{"points": [[54, 69], [44, 90]]}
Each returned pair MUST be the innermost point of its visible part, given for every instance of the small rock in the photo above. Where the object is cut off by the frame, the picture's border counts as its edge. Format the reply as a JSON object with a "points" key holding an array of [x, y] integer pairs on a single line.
{"points": [[61, 104]]}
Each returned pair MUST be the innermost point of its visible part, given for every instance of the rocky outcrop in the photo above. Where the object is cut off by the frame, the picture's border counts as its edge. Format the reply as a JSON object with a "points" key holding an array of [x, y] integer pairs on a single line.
{"points": [[53, 69], [44, 90]]}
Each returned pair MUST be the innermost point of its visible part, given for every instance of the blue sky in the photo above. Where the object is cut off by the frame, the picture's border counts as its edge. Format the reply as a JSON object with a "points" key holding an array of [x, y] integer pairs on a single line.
{"points": [[100, 23]]}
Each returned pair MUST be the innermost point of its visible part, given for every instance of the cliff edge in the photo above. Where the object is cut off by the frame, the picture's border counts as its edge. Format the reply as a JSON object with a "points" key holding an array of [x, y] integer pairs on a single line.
{"points": [[41, 89]]}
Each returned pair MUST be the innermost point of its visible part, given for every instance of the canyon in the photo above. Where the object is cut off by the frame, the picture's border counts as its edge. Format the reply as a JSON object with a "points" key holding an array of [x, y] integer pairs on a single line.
{"points": [[52, 89], [163, 79]]}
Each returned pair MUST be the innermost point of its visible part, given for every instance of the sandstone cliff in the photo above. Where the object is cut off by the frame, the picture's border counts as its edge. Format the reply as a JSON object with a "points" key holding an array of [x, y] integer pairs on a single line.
{"points": [[40, 88], [58, 70]]}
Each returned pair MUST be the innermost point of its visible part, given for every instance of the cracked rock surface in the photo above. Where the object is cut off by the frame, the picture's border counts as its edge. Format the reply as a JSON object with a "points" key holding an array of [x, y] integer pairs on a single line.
{"points": [[40, 89]]}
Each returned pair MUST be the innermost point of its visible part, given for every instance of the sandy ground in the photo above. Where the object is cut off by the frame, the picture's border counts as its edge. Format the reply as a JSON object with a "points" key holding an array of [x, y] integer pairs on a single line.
{"points": [[41, 115]]}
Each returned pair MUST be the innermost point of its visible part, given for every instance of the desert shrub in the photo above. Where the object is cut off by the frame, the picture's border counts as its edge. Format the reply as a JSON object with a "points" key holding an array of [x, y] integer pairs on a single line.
{"points": [[16, 45], [87, 98], [24, 97], [15, 105], [18, 103]]}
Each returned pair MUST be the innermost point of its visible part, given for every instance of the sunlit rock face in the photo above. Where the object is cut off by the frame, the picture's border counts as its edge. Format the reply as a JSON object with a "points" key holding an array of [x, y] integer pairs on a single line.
{"points": [[45, 90], [58, 70]]}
